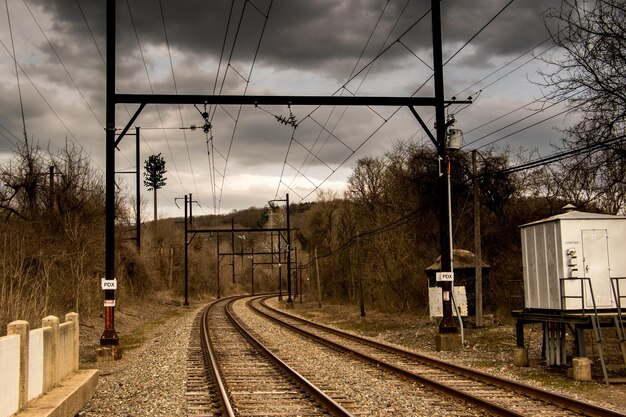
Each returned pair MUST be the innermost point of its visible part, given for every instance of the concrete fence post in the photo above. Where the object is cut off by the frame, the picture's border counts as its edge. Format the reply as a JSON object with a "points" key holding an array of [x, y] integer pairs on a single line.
{"points": [[22, 329], [73, 317], [51, 352]]}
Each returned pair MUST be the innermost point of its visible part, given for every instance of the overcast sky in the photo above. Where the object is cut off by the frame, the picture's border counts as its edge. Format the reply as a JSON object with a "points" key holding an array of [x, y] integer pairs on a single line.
{"points": [[311, 47]]}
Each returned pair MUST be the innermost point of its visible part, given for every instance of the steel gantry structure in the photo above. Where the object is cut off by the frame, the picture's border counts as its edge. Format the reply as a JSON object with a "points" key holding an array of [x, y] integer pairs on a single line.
{"points": [[109, 336]]}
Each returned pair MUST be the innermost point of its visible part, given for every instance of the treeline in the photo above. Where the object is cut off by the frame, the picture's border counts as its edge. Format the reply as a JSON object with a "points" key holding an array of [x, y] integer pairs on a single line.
{"points": [[385, 229], [380, 235], [51, 233]]}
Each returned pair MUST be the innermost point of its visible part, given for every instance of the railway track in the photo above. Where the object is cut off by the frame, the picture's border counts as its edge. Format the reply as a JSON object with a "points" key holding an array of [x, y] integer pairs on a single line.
{"points": [[493, 395], [249, 380]]}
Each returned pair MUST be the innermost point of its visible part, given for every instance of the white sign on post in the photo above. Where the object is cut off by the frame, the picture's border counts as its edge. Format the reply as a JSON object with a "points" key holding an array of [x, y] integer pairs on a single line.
{"points": [[109, 284], [109, 303], [444, 276]]}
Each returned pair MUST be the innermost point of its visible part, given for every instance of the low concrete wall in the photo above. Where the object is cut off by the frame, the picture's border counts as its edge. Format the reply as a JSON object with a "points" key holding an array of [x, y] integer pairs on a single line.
{"points": [[10, 371], [33, 362]]}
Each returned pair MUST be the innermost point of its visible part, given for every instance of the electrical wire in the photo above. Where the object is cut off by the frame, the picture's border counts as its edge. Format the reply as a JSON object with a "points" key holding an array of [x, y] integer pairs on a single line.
{"points": [[180, 112], [479, 32], [17, 73], [352, 76], [256, 53], [593, 147], [67, 72], [145, 65]]}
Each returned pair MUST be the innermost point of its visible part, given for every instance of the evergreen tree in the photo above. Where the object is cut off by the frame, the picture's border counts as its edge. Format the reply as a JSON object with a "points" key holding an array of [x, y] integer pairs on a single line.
{"points": [[154, 179]]}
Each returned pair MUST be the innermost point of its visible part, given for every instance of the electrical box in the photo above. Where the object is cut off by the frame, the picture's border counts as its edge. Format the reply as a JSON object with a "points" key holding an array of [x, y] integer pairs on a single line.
{"points": [[586, 248]]}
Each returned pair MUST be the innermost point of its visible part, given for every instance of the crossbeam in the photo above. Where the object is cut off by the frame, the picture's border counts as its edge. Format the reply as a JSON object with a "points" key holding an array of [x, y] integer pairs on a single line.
{"points": [[275, 100]]}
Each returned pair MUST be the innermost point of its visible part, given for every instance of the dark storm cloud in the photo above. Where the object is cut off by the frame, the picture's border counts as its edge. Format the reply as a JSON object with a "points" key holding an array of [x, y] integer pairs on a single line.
{"points": [[323, 34], [309, 47]]}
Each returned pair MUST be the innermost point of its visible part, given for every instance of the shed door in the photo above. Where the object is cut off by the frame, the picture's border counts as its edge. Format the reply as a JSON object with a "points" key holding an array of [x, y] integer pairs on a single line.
{"points": [[596, 267]]}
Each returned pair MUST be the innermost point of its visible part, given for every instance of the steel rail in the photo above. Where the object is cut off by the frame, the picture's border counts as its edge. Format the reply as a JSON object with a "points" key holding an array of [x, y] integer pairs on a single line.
{"points": [[483, 404], [208, 346], [331, 405], [568, 403]]}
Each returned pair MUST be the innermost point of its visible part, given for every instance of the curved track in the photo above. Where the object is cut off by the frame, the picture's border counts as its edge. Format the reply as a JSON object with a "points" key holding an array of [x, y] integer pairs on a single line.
{"points": [[496, 396], [249, 379]]}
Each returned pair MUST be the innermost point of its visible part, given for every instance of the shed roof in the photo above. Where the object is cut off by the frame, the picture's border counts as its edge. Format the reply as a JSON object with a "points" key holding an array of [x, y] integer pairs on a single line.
{"points": [[576, 215], [463, 259]]}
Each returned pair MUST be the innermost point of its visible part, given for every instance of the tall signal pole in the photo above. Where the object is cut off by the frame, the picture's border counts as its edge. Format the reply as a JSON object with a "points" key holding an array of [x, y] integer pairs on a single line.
{"points": [[289, 299], [109, 336], [447, 325]]}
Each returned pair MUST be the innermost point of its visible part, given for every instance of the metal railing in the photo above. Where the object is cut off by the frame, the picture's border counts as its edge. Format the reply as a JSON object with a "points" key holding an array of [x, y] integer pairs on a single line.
{"points": [[617, 295]]}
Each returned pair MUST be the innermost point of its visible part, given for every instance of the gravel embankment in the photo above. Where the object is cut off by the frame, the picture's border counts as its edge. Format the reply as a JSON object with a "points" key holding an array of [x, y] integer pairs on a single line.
{"points": [[149, 380]]}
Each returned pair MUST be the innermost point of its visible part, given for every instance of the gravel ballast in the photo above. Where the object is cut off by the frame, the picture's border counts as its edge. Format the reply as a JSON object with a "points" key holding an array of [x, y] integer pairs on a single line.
{"points": [[149, 380]]}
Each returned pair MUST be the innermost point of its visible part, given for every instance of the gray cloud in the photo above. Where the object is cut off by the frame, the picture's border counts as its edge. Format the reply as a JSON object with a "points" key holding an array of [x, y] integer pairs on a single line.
{"points": [[309, 47]]}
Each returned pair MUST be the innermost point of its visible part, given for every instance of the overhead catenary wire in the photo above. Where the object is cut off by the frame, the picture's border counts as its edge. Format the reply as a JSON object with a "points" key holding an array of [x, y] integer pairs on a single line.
{"points": [[145, 65], [352, 76], [56, 115], [67, 72], [395, 112], [17, 73], [180, 113], [592, 147], [95, 43], [254, 59]]}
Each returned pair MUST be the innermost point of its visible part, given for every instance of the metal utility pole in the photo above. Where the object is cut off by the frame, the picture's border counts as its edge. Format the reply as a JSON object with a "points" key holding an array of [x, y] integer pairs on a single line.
{"points": [[232, 246], [186, 251], [289, 299], [478, 282], [300, 280], [447, 324], [280, 271], [188, 203], [297, 275], [109, 336], [218, 266], [360, 274], [138, 188], [252, 268]]}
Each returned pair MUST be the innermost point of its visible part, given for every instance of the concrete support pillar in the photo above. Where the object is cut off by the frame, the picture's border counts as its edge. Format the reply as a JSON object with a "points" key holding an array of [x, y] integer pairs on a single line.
{"points": [[22, 329], [448, 342], [520, 356], [51, 354], [581, 369], [73, 317]]}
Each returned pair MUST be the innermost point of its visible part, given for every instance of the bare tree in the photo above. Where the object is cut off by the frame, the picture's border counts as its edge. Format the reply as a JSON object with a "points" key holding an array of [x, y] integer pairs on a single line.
{"points": [[588, 73]]}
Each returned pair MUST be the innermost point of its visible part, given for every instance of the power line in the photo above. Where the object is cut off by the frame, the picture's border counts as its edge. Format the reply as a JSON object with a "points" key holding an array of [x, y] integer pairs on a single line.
{"points": [[145, 65], [180, 113], [352, 76], [479, 31], [17, 73], [43, 98], [63, 65], [529, 126], [384, 50], [559, 156], [256, 53]]}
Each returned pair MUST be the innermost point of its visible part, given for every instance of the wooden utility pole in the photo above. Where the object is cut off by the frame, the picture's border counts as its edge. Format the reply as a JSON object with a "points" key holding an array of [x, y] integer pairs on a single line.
{"points": [[218, 266], [252, 266], [232, 246], [319, 289], [478, 282], [360, 275]]}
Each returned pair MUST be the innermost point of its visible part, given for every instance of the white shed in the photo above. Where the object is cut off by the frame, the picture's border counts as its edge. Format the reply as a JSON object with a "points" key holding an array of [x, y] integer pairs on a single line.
{"points": [[586, 248]]}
